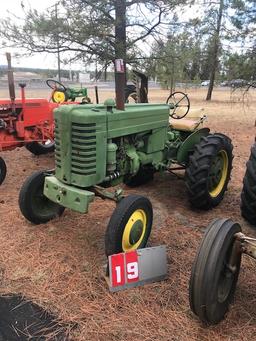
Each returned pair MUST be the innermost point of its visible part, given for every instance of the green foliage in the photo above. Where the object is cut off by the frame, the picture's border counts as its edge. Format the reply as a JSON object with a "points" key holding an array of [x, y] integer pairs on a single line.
{"points": [[241, 66], [86, 28], [192, 51]]}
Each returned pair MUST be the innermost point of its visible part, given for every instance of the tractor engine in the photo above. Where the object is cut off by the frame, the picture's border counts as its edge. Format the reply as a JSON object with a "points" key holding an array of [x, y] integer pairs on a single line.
{"points": [[100, 145]]}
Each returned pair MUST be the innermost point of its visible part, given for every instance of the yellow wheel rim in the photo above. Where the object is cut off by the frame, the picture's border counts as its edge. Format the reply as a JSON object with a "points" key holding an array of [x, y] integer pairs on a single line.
{"points": [[134, 230], [58, 97], [218, 174]]}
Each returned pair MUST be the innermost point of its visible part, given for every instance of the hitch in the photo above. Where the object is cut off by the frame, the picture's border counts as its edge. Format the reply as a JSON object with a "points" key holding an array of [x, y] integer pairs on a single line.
{"points": [[101, 192]]}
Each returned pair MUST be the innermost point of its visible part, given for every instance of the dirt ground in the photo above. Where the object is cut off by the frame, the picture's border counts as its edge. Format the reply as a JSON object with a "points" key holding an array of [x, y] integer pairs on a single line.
{"points": [[59, 265]]}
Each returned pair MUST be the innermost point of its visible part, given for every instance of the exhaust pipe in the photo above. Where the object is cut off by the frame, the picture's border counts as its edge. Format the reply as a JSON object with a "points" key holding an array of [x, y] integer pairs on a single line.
{"points": [[10, 81]]}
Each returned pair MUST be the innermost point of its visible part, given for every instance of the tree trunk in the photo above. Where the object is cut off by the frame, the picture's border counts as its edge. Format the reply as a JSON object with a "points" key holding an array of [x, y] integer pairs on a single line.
{"points": [[120, 50], [105, 73], [215, 55]]}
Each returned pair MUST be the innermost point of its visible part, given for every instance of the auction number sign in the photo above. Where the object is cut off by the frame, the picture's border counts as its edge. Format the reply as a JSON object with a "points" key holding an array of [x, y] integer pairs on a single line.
{"points": [[137, 267], [124, 268]]}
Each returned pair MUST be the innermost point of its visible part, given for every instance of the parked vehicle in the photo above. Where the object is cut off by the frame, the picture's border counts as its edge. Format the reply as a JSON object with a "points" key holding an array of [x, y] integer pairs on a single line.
{"points": [[205, 83]]}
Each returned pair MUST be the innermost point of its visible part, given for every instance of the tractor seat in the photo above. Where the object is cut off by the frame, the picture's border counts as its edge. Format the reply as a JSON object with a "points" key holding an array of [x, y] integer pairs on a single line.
{"points": [[188, 123]]}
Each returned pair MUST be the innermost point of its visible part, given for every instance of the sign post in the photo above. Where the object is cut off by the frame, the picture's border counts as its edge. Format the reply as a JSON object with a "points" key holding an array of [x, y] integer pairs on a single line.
{"points": [[120, 83]]}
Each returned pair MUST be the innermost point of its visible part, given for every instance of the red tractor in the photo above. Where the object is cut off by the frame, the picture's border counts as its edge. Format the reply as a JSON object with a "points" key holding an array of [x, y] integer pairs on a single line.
{"points": [[29, 122]]}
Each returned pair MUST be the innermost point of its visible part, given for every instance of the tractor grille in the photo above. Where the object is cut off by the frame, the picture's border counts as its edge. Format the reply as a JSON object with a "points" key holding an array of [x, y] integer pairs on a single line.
{"points": [[57, 146], [83, 151], [83, 148]]}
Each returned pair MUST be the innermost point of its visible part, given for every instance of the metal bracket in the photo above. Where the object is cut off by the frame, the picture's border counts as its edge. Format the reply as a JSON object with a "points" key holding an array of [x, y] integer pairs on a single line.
{"points": [[101, 192], [248, 245]]}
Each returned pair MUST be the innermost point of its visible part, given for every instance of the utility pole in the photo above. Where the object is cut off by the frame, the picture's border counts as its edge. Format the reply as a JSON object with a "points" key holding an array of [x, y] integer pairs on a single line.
{"points": [[58, 41]]}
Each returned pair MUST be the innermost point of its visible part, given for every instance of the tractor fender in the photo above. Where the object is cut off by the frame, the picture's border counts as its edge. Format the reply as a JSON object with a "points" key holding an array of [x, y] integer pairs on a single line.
{"points": [[189, 143]]}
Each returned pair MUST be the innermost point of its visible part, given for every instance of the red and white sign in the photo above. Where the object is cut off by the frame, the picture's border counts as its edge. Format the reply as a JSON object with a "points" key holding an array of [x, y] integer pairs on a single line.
{"points": [[138, 267], [118, 270], [119, 65], [124, 268]]}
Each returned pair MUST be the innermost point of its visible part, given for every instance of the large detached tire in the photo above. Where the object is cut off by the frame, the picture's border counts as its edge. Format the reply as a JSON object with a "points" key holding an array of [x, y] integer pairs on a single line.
{"points": [[129, 226], [34, 206], [144, 175], [248, 196], [38, 148], [212, 283], [208, 171], [3, 170]]}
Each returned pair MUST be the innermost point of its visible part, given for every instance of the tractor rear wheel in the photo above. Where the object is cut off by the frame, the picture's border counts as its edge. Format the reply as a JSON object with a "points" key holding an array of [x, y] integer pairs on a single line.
{"points": [[143, 176], [248, 196], [34, 206], [129, 226], [131, 94], [40, 148], [3, 170], [212, 282], [208, 171]]}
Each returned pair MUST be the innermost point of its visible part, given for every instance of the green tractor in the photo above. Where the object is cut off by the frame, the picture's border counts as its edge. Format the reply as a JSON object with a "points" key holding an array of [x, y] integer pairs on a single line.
{"points": [[61, 94], [216, 267], [99, 146]]}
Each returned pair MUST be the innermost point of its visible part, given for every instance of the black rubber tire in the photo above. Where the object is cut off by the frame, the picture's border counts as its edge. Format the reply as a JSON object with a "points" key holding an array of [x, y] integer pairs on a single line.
{"points": [[144, 175], [248, 195], [199, 166], [208, 272], [31, 197], [130, 91], [119, 219], [38, 148], [3, 170]]}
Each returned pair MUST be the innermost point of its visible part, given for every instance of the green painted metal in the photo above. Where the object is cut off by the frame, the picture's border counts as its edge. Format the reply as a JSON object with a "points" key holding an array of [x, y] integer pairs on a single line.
{"points": [[189, 143], [134, 160], [98, 145], [111, 157], [68, 196], [137, 118], [73, 93], [81, 144]]}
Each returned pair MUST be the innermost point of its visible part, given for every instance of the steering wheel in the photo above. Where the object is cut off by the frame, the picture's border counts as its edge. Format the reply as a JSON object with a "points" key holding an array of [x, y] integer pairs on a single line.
{"points": [[179, 103], [53, 84]]}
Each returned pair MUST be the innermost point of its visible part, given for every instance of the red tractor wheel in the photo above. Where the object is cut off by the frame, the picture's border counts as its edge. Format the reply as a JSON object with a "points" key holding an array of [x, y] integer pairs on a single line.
{"points": [[40, 148], [3, 170]]}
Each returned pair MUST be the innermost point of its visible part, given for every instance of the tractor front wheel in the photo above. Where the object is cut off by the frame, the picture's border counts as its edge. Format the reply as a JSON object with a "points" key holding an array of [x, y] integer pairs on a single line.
{"points": [[129, 226], [34, 206], [40, 148], [248, 196], [208, 171], [213, 281], [3, 170]]}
